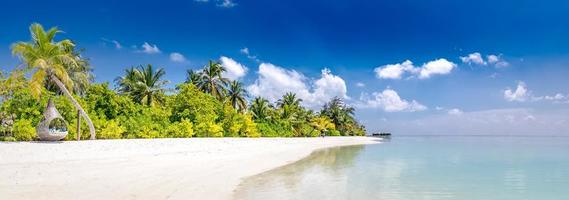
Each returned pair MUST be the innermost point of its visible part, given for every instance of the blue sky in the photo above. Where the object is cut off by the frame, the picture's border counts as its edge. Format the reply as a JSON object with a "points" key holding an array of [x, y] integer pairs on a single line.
{"points": [[478, 67]]}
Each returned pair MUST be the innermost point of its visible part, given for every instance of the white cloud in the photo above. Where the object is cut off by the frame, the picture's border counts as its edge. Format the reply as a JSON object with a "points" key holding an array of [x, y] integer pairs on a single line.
{"points": [[485, 122], [234, 70], [360, 84], [389, 101], [557, 96], [273, 82], [245, 51], [149, 48], [177, 57], [440, 66], [455, 111], [396, 71], [521, 93], [475, 58], [497, 61], [226, 3]]}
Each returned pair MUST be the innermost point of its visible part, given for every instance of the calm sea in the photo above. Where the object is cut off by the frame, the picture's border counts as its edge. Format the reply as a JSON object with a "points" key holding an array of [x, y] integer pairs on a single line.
{"points": [[424, 167]]}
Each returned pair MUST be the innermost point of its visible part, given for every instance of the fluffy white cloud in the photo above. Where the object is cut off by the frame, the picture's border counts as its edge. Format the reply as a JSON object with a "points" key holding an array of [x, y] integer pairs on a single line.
{"points": [[360, 84], [177, 57], [475, 58], [389, 101], [396, 71], [149, 48], [273, 82], [521, 93], [234, 70], [440, 66]]}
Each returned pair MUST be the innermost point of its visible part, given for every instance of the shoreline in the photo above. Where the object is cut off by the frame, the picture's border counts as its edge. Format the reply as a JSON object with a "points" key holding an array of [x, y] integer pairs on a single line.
{"points": [[192, 168]]}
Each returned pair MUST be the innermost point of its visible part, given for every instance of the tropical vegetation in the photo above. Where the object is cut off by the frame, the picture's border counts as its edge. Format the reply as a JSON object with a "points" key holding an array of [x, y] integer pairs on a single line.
{"points": [[139, 104]]}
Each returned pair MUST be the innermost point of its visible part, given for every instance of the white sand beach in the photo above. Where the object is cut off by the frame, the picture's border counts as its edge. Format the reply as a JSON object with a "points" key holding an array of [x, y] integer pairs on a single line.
{"points": [[196, 168]]}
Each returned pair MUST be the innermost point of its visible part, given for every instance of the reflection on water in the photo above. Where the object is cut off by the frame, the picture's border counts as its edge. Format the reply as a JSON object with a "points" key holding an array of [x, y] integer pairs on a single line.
{"points": [[323, 168], [416, 168]]}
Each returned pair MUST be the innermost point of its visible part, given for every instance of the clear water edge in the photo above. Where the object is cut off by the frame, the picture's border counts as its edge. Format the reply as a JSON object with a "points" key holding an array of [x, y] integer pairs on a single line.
{"points": [[419, 167]]}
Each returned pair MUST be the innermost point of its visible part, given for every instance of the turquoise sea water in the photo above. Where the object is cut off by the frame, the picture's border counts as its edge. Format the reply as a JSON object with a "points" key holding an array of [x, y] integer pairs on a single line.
{"points": [[419, 167]]}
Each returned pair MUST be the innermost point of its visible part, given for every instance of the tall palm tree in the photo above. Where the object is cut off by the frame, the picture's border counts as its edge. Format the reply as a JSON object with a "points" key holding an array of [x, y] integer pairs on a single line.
{"points": [[341, 115], [144, 84], [289, 105], [212, 82], [236, 95], [193, 77], [81, 75], [50, 61], [260, 108]]}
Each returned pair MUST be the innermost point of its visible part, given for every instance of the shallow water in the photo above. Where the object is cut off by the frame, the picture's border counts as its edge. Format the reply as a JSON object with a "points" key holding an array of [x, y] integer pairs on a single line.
{"points": [[418, 167]]}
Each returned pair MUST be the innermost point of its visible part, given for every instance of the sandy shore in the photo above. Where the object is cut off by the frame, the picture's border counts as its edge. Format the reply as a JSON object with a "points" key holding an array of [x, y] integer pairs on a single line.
{"points": [[198, 168]]}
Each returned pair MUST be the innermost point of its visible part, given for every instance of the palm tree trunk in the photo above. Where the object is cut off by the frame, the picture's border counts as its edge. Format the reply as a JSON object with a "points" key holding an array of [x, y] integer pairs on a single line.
{"points": [[76, 104], [78, 125]]}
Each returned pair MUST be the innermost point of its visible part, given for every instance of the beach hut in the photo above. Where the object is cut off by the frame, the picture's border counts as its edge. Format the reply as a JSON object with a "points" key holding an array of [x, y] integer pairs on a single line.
{"points": [[52, 127]]}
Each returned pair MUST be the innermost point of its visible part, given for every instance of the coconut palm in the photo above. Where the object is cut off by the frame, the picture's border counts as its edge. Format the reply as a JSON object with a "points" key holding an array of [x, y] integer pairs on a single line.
{"points": [[341, 115], [289, 99], [49, 61], [193, 77], [211, 80], [289, 106], [143, 84], [260, 108], [236, 95], [80, 74]]}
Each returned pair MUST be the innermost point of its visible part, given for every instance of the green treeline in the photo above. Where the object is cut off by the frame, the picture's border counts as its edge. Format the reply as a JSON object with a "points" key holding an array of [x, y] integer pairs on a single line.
{"points": [[205, 105]]}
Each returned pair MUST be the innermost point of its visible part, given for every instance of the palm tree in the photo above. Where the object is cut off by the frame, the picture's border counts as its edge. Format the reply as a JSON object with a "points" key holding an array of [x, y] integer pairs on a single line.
{"points": [[212, 82], [341, 115], [260, 108], [289, 105], [289, 99], [81, 75], [236, 95], [144, 84], [193, 77], [50, 61]]}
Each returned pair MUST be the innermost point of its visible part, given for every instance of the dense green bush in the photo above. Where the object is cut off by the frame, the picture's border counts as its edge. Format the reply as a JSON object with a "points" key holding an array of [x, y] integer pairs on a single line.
{"points": [[181, 129], [23, 130], [111, 130]]}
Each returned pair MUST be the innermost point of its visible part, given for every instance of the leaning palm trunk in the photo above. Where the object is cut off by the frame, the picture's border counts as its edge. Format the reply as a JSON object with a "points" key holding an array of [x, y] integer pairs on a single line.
{"points": [[76, 104]]}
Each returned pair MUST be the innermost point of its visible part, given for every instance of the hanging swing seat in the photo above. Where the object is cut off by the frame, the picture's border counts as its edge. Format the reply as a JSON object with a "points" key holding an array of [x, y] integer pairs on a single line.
{"points": [[52, 127]]}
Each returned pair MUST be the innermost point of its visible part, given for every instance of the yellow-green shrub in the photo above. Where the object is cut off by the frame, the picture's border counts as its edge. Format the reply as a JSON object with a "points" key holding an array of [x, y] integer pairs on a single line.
{"points": [[23, 130], [182, 129]]}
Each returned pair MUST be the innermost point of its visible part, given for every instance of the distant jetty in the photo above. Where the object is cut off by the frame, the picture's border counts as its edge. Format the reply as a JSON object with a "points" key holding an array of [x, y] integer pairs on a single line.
{"points": [[383, 134]]}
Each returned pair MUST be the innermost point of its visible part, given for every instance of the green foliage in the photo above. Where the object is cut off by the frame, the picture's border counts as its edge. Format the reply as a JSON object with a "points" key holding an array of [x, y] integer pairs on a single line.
{"points": [[190, 103], [111, 130], [8, 139], [23, 130], [182, 129], [208, 129], [206, 105]]}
